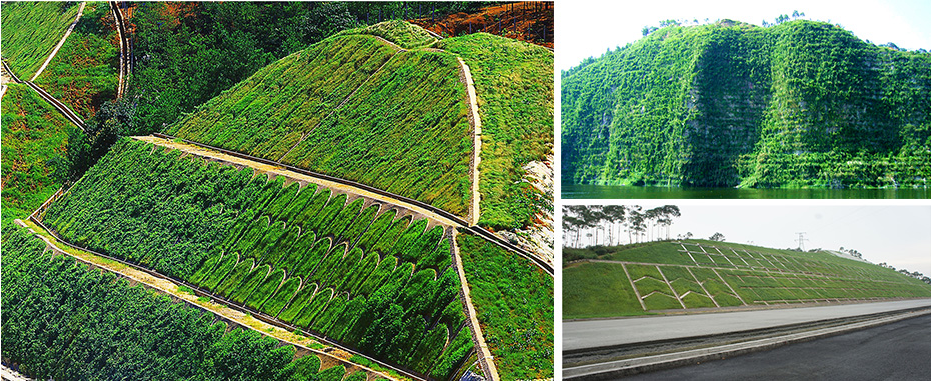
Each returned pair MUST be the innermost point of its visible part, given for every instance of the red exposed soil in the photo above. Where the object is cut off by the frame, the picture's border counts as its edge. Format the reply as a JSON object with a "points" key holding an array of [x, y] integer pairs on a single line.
{"points": [[530, 21]]}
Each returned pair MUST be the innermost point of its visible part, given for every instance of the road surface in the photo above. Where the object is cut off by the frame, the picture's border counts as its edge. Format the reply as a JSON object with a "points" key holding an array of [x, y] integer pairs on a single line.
{"points": [[598, 333], [897, 351]]}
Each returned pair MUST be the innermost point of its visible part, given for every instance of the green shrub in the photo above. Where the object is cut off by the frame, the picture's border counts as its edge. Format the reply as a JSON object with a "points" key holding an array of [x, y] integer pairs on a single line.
{"points": [[300, 300], [265, 290], [282, 296]]}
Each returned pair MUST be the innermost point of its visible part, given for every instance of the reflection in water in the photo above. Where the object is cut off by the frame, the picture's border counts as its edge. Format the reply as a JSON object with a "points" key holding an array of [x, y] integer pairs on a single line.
{"points": [[586, 191]]}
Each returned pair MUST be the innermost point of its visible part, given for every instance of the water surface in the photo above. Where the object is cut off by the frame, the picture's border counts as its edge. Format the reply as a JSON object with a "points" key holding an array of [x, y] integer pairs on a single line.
{"points": [[587, 191]]}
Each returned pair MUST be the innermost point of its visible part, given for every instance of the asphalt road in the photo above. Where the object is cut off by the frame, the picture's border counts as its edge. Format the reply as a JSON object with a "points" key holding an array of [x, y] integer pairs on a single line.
{"points": [[597, 333], [897, 351]]}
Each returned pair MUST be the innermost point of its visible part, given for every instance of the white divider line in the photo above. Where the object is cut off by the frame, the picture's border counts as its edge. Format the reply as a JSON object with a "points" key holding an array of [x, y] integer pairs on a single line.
{"points": [[674, 294], [634, 287]]}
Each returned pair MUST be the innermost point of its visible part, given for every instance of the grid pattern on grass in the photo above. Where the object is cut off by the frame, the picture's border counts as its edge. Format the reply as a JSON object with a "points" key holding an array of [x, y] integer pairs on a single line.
{"points": [[706, 275]]}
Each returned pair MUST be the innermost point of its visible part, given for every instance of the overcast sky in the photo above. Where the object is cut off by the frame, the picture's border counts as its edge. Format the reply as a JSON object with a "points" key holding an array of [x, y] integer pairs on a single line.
{"points": [[588, 28], [899, 235]]}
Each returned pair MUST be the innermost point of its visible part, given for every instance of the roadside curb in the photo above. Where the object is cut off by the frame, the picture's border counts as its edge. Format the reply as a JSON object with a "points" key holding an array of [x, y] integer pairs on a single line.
{"points": [[617, 369]]}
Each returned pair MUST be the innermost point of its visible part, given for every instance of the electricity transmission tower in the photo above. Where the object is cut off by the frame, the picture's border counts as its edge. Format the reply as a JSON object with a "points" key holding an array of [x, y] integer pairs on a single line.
{"points": [[801, 241]]}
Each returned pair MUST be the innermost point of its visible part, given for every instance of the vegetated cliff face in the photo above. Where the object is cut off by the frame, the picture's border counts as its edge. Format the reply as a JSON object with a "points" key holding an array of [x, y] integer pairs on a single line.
{"points": [[799, 104]]}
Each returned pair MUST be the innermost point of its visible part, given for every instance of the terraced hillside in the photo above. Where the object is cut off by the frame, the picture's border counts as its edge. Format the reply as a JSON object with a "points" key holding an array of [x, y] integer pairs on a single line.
{"points": [[346, 268], [705, 274], [33, 133], [337, 259], [31, 30], [799, 104], [358, 107], [141, 335]]}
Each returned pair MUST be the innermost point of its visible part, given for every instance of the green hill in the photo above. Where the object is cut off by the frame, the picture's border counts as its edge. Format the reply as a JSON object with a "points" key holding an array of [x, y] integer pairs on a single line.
{"points": [[85, 73], [402, 126], [799, 104], [30, 31], [33, 133], [706, 274], [357, 107]]}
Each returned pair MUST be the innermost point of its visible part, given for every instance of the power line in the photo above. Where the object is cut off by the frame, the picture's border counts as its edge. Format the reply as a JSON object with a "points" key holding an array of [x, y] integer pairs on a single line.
{"points": [[801, 240]]}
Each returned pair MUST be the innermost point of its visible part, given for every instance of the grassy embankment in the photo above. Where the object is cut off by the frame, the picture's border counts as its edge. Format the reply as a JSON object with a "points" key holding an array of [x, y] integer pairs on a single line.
{"points": [[33, 133], [514, 303], [514, 85], [402, 129], [31, 30], [713, 274], [84, 74]]}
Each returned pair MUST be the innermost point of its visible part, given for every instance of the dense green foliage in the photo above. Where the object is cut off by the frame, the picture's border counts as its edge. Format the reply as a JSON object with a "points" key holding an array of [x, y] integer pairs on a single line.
{"points": [[65, 321], [31, 30], [514, 303], [714, 274], [395, 121], [514, 86], [84, 74], [799, 104], [212, 225], [33, 133]]}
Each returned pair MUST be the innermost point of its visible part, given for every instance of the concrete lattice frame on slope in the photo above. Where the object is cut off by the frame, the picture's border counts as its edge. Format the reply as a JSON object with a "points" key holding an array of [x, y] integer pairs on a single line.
{"points": [[232, 317]]}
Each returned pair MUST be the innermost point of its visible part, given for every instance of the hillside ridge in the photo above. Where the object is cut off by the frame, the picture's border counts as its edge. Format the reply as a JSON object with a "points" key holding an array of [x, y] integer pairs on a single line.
{"points": [[731, 104]]}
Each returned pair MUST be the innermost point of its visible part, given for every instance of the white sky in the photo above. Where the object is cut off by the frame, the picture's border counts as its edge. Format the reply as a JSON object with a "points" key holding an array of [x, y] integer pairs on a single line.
{"points": [[589, 27], [899, 235]]}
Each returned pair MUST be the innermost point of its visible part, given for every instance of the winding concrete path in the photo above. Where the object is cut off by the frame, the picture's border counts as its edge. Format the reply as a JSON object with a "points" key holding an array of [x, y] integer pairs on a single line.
{"points": [[476, 122], [484, 356], [61, 42]]}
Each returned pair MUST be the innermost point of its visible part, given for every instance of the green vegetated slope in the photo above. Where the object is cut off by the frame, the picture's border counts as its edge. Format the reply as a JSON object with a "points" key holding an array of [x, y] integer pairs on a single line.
{"points": [[799, 104], [85, 72], [65, 321], [514, 86], [31, 30], [360, 273], [355, 108], [706, 274], [402, 33], [33, 133], [513, 300]]}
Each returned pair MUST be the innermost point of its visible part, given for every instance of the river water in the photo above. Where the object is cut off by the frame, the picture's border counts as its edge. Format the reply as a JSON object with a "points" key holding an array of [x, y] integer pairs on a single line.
{"points": [[586, 191]]}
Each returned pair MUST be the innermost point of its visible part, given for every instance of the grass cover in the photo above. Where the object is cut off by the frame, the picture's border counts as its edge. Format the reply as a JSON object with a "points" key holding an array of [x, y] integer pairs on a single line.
{"points": [[85, 72], [514, 303], [30, 32], [402, 33], [799, 104], [597, 290], [176, 215], [514, 85], [403, 130], [784, 277], [33, 133], [88, 322]]}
